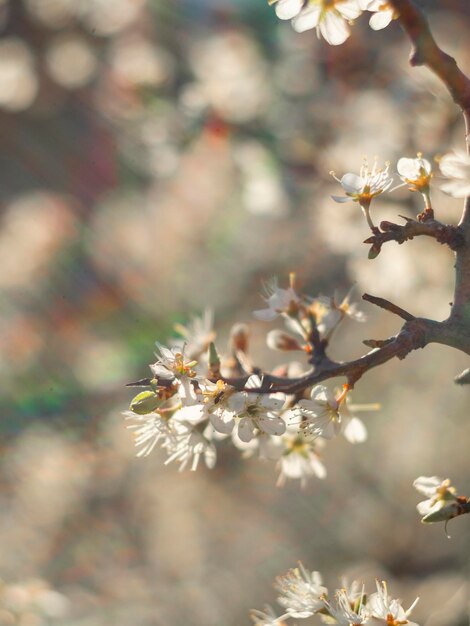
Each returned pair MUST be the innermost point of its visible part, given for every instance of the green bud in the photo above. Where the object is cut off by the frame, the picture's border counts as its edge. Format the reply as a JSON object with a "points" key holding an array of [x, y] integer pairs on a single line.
{"points": [[145, 402], [214, 359]]}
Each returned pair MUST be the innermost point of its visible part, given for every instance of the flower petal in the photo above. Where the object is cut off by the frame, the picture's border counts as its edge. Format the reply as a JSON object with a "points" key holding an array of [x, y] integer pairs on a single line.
{"points": [[307, 18], [381, 19], [287, 9]]}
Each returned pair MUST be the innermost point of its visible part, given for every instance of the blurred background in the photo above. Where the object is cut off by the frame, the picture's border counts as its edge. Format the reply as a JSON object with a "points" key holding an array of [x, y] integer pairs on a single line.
{"points": [[161, 156]]}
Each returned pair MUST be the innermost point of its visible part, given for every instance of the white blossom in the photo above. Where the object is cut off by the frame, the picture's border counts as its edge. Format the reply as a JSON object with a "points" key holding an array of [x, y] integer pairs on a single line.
{"points": [[257, 411], [148, 430], [389, 611], [456, 167], [439, 494], [299, 457], [367, 185], [302, 592], [353, 427], [383, 11], [173, 364], [188, 444], [331, 19], [216, 396], [279, 301], [320, 416], [416, 173]]}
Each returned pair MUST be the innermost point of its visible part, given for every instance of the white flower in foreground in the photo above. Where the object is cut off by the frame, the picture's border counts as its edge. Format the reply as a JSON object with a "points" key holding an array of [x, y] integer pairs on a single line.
{"points": [[257, 411], [299, 457], [216, 396], [302, 592], [173, 364], [280, 302], [31, 602], [389, 611], [456, 167], [197, 335], [383, 11], [330, 18], [320, 415], [442, 503], [267, 617], [367, 185], [148, 430], [416, 173]]}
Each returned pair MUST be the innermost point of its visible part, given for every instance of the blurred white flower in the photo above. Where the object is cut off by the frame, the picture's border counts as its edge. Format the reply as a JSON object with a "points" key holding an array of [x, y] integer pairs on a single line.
{"points": [[197, 334], [302, 592], [353, 427], [383, 11], [267, 617], [70, 61], [299, 457], [416, 173], [330, 311], [18, 75], [320, 416], [148, 430], [257, 411], [440, 495], [456, 167], [31, 602], [280, 302], [389, 611]]}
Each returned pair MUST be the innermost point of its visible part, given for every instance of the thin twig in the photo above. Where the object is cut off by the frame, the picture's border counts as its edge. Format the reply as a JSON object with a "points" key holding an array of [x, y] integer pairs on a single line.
{"points": [[388, 306]]}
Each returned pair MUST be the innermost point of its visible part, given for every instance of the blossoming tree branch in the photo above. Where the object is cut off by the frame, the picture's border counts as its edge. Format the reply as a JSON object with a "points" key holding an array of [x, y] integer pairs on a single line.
{"points": [[198, 397]]}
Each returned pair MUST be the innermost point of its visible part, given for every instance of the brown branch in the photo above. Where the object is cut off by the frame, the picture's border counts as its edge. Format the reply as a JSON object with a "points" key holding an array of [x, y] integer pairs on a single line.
{"points": [[445, 234], [427, 52], [416, 333]]}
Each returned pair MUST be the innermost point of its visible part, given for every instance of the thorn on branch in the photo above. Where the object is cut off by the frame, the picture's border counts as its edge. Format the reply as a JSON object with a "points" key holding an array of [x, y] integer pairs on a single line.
{"points": [[388, 306], [377, 343], [463, 378]]}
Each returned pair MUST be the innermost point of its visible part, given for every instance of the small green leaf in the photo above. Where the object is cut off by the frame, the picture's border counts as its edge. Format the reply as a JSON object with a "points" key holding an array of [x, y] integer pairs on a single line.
{"points": [[145, 402]]}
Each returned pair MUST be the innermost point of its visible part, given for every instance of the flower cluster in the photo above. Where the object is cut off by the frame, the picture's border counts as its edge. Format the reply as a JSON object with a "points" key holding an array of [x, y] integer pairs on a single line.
{"points": [[332, 18], [302, 594], [197, 398]]}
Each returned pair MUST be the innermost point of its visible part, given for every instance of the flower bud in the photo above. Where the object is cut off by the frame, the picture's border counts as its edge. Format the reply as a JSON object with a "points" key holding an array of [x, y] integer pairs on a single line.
{"points": [[145, 402], [282, 341], [239, 338]]}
